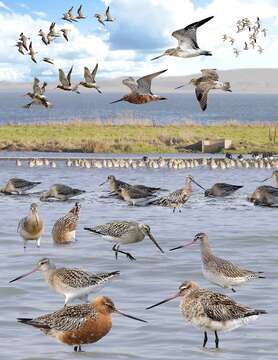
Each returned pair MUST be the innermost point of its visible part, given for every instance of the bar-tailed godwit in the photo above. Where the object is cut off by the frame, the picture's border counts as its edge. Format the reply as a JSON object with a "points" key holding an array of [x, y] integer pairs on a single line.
{"points": [[65, 82], [61, 192], [18, 186], [222, 189], [90, 79]]}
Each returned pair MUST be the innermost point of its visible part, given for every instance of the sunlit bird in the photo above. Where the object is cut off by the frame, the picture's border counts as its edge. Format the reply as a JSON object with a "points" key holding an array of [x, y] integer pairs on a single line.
{"points": [[90, 79], [65, 33], [100, 19], [48, 60], [80, 14], [60, 192], [32, 52], [65, 82], [108, 15], [18, 186], [68, 16]]}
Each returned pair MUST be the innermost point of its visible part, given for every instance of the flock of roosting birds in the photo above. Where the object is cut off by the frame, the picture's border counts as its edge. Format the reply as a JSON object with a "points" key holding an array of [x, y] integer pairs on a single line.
{"points": [[87, 323], [140, 90]]}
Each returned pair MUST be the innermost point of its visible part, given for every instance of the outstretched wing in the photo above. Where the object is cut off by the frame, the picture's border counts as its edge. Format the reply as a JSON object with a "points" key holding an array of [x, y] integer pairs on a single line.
{"points": [[69, 75], [36, 87], [107, 13], [87, 75], [145, 82], [202, 96], [62, 78], [210, 74], [131, 83], [94, 72]]}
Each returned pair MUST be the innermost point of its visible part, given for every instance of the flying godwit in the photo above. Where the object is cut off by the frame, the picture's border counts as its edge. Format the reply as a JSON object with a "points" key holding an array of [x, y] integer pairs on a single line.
{"points": [[80, 324], [37, 96], [100, 19], [18, 186], [68, 16], [48, 60], [123, 233], [89, 79], [61, 192], [108, 15], [64, 229], [178, 198], [24, 39], [43, 36], [141, 90], [208, 81], [32, 52], [20, 47], [210, 311], [187, 42], [72, 283], [31, 227], [222, 189], [220, 271], [65, 33], [80, 14], [65, 81]]}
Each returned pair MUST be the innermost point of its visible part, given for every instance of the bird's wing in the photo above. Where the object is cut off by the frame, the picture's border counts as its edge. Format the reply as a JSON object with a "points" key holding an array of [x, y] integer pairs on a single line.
{"points": [[187, 36], [113, 229], [87, 75], [79, 11], [36, 87], [52, 26], [67, 319], [131, 83], [62, 78], [107, 13], [69, 75], [210, 74], [94, 72], [20, 183], [202, 96], [145, 82], [228, 268]]}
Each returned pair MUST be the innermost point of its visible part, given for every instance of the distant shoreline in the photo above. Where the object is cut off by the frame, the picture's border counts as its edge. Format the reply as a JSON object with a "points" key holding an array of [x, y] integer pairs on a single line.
{"points": [[137, 138]]}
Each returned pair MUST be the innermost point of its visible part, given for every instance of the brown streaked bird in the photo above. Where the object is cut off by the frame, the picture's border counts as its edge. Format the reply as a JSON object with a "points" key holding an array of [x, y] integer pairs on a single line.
{"points": [[71, 283], [208, 81], [141, 90], [64, 229], [32, 52], [80, 14], [187, 42], [31, 227], [123, 233], [222, 189], [220, 271], [90, 79], [61, 192], [18, 186], [80, 324], [210, 311], [37, 96], [65, 81], [176, 199]]}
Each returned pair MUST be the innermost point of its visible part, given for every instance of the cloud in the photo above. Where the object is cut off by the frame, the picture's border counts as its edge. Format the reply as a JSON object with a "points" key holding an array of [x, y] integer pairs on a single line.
{"points": [[4, 6]]}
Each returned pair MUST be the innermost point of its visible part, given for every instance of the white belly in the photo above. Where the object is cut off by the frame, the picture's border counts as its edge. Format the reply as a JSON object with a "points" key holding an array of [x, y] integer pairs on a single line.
{"points": [[221, 280]]}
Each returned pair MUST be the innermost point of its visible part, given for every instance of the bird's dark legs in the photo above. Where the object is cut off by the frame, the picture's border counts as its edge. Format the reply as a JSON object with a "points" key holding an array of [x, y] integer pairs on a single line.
{"points": [[216, 340], [77, 348], [233, 290], [115, 248], [205, 339]]}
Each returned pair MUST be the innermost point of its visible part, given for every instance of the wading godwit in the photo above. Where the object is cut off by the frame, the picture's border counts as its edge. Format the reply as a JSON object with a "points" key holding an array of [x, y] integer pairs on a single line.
{"points": [[222, 189], [176, 199], [274, 176], [18, 186], [134, 196], [123, 233], [141, 90], [61, 192], [264, 196], [89, 79], [187, 42], [72, 283], [220, 271], [210, 311], [31, 227], [208, 81], [65, 81], [63, 231], [80, 324]]}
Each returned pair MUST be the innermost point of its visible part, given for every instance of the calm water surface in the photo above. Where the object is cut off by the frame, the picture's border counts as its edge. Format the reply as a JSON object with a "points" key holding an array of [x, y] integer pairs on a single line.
{"points": [[239, 231], [179, 107]]}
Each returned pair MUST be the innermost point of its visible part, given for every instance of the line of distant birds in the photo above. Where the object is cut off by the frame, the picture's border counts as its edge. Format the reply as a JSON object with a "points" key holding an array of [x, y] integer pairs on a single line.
{"points": [[254, 30]]}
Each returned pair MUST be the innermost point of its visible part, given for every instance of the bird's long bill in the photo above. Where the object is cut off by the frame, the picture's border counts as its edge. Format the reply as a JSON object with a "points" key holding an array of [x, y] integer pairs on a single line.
{"points": [[268, 178], [200, 186], [179, 87], [164, 301], [24, 275], [116, 101], [130, 316], [157, 57], [103, 183], [155, 242], [182, 246]]}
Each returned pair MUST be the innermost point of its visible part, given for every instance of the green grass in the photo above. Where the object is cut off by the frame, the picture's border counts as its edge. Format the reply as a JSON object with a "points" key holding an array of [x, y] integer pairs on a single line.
{"points": [[132, 138]]}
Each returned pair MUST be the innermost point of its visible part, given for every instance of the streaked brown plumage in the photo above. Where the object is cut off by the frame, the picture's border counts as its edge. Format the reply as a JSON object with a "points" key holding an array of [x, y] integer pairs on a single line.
{"points": [[64, 228]]}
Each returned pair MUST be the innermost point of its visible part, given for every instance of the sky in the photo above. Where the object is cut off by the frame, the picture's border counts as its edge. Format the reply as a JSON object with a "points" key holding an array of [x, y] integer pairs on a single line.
{"points": [[141, 30]]}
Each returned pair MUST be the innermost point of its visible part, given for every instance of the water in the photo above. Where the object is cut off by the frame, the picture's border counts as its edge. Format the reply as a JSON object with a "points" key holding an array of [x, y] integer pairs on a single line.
{"points": [[237, 230], [178, 108]]}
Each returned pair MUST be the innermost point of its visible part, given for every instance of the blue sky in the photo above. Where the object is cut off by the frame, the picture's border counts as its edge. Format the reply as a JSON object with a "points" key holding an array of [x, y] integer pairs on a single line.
{"points": [[142, 29]]}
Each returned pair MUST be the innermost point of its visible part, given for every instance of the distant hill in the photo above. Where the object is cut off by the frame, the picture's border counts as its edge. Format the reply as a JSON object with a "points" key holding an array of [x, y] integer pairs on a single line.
{"points": [[242, 81]]}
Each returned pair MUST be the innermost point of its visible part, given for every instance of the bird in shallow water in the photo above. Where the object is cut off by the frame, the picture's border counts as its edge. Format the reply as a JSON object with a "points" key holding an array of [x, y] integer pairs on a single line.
{"points": [[134, 196], [187, 42], [31, 227], [61, 192], [63, 231], [264, 196], [210, 311], [222, 189], [18, 186], [80, 324], [176, 199], [123, 233], [274, 176], [141, 90], [65, 82], [90, 79], [71, 283], [220, 271], [208, 81]]}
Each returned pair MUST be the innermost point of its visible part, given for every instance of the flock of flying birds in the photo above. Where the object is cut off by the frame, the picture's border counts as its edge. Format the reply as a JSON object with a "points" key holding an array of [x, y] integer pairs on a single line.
{"points": [[253, 30], [140, 90]]}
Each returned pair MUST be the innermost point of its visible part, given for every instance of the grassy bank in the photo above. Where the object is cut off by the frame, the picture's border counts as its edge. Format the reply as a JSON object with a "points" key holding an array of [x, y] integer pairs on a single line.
{"points": [[132, 138]]}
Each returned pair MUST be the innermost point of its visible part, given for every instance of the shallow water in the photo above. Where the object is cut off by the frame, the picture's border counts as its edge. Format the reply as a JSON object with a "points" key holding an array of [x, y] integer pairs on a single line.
{"points": [[179, 107], [237, 230]]}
